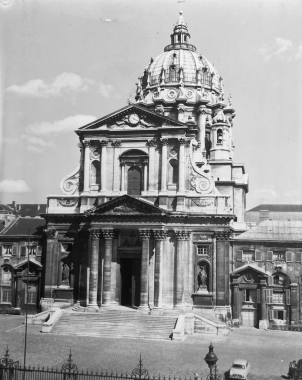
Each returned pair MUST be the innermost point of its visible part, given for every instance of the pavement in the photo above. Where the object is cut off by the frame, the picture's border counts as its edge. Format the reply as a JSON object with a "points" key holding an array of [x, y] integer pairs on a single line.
{"points": [[269, 352]]}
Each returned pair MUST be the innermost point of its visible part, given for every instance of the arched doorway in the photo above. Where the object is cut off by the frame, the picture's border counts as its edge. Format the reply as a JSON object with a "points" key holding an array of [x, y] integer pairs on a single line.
{"points": [[134, 186]]}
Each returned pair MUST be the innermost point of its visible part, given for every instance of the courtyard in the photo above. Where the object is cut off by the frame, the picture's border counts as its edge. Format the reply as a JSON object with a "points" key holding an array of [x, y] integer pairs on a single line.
{"points": [[269, 352]]}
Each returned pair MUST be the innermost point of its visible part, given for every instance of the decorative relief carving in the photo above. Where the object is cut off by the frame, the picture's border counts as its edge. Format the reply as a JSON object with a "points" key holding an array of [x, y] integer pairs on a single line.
{"points": [[145, 234], [108, 234], [201, 202], [70, 184], [104, 143], [182, 235], [222, 235], [86, 143], [182, 141], [131, 239], [190, 94], [67, 202], [50, 233], [220, 117], [160, 234], [95, 153], [201, 237], [95, 233], [116, 143], [172, 94], [164, 141], [152, 142]]}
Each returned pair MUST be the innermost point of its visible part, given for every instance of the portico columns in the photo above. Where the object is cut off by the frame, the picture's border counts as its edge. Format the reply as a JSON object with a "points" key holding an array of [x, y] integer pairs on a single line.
{"points": [[94, 266], [235, 302], [86, 144], [164, 155], [103, 165], [159, 236], [182, 238], [181, 169], [106, 297], [263, 323], [145, 236]]}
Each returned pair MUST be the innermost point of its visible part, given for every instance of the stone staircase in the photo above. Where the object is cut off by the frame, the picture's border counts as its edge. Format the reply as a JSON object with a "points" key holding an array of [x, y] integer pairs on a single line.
{"points": [[115, 324]]}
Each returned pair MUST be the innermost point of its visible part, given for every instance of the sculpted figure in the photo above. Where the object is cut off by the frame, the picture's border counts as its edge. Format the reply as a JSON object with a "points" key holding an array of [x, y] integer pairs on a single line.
{"points": [[202, 277], [65, 274]]}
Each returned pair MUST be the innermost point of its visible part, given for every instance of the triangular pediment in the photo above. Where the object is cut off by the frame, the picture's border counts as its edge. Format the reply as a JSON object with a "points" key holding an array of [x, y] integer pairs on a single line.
{"points": [[131, 117], [126, 205], [252, 267]]}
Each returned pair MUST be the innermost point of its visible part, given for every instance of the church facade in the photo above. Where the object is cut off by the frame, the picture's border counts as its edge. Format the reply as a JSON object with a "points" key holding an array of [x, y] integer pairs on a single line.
{"points": [[146, 219]]}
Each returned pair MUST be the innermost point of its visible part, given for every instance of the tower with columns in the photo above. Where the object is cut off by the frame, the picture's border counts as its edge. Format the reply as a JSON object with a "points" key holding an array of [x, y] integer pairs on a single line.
{"points": [[156, 196]]}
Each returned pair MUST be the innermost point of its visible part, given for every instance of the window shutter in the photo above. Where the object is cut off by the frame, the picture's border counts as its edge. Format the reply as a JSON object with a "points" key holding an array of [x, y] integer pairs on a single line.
{"points": [[275, 314], [269, 255], [270, 280], [298, 257], [287, 292], [258, 255], [39, 251], [258, 295], [284, 315], [23, 250], [271, 314], [15, 250], [288, 256], [269, 296], [243, 295], [239, 255]]}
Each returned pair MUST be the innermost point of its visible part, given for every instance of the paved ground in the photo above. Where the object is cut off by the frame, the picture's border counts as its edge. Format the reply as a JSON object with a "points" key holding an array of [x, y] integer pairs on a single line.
{"points": [[268, 351]]}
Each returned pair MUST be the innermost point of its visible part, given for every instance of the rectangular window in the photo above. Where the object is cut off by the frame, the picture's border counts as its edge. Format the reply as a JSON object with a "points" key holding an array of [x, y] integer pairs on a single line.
{"points": [[31, 295], [278, 298], [270, 281], [273, 314], [269, 296], [23, 251], [6, 295], [279, 256], [7, 249], [287, 296], [298, 257], [15, 250], [202, 249], [239, 255], [269, 255], [248, 256], [39, 251], [6, 277], [31, 249], [258, 255], [288, 256]]}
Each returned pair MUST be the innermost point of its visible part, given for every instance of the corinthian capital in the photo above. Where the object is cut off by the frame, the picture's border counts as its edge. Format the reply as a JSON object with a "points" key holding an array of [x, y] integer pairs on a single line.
{"points": [[86, 143], [182, 235], [104, 143], [116, 143], [164, 141], [108, 234], [160, 234], [152, 142], [50, 233], [145, 234], [95, 233]]}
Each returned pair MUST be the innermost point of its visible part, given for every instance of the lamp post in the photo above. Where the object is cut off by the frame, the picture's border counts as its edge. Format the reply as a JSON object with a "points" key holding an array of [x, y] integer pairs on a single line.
{"points": [[211, 360]]}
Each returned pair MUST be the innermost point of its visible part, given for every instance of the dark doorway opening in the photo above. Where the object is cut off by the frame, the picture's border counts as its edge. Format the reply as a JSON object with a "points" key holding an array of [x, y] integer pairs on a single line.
{"points": [[134, 181], [130, 281]]}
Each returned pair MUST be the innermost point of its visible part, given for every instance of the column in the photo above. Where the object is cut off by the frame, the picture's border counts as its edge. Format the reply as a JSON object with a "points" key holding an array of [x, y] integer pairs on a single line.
{"points": [[214, 271], [50, 262], [103, 165], [294, 303], [152, 144], [235, 302], [108, 236], [145, 166], [94, 266], [145, 236], [159, 236], [59, 272], [182, 237], [123, 176], [263, 300], [116, 170], [164, 154], [187, 269], [86, 144], [181, 167], [114, 291]]}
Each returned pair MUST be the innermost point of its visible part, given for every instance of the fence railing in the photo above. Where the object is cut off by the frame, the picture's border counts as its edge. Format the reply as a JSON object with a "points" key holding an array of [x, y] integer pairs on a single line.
{"points": [[12, 370]]}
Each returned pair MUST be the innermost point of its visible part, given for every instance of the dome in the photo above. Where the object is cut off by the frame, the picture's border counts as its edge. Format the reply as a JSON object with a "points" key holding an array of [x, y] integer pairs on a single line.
{"points": [[179, 66]]}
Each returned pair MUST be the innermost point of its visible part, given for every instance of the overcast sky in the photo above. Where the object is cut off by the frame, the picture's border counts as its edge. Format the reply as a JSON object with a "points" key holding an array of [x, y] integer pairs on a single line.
{"points": [[62, 66]]}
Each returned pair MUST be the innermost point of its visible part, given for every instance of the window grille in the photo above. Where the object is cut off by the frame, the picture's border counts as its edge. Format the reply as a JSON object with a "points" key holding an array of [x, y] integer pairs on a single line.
{"points": [[258, 255], [239, 255], [278, 298], [269, 296], [6, 276], [15, 250], [269, 255], [248, 256], [287, 294], [288, 257], [298, 257], [6, 295], [7, 250]]}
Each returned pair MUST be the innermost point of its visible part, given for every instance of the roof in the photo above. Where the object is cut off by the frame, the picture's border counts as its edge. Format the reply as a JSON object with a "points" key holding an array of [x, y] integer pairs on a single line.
{"points": [[30, 209], [21, 226], [281, 230], [4, 209], [278, 208], [33, 261]]}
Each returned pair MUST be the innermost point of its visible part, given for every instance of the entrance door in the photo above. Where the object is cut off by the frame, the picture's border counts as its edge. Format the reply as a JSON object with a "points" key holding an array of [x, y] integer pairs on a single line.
{"points": [[130, 281]]}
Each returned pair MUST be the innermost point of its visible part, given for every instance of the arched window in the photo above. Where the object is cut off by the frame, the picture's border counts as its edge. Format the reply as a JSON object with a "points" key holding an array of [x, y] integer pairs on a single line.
{"points": [[219, 136], [95, 173], [134, 186], [173, 171]]}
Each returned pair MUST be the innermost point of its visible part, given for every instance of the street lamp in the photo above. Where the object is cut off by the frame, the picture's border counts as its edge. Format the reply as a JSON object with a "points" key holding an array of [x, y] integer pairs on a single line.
{"points": [[211, 360]]}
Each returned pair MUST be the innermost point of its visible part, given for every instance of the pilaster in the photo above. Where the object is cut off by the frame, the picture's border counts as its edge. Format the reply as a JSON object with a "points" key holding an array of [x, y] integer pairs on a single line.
{"points": [[159, 236]]}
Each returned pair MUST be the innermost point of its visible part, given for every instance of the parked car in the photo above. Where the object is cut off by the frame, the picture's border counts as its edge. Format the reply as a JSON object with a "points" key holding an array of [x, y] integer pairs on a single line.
{"points": [[240, 369]]}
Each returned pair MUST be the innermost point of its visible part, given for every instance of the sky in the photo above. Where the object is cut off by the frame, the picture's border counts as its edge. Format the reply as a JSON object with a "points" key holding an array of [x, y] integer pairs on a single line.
{"points": [[62, 66]]}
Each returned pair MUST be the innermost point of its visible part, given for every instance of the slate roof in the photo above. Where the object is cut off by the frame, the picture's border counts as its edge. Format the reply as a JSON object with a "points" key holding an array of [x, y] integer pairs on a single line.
{"points": [[28, 209], [278, 208], [20, 227], [281, 230], [5, 209]]}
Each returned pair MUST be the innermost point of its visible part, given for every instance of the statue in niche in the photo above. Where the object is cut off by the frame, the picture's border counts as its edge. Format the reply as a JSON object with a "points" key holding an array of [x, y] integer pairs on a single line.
{"points": [[202, 278], [65, 274]]}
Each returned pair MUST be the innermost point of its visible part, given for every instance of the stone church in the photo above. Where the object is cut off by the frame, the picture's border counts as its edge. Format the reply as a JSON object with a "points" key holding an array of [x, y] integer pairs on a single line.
{"points": [[146, 218]]}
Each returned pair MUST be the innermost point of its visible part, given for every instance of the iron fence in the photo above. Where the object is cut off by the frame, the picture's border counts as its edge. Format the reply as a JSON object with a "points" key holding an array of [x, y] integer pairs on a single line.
{"points": [[12, 370]]}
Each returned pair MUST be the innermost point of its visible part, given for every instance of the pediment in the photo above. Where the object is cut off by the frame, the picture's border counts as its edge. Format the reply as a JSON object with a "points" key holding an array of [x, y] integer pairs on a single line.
{"points": [[251, 267], [131, 117], [126, 205]]}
